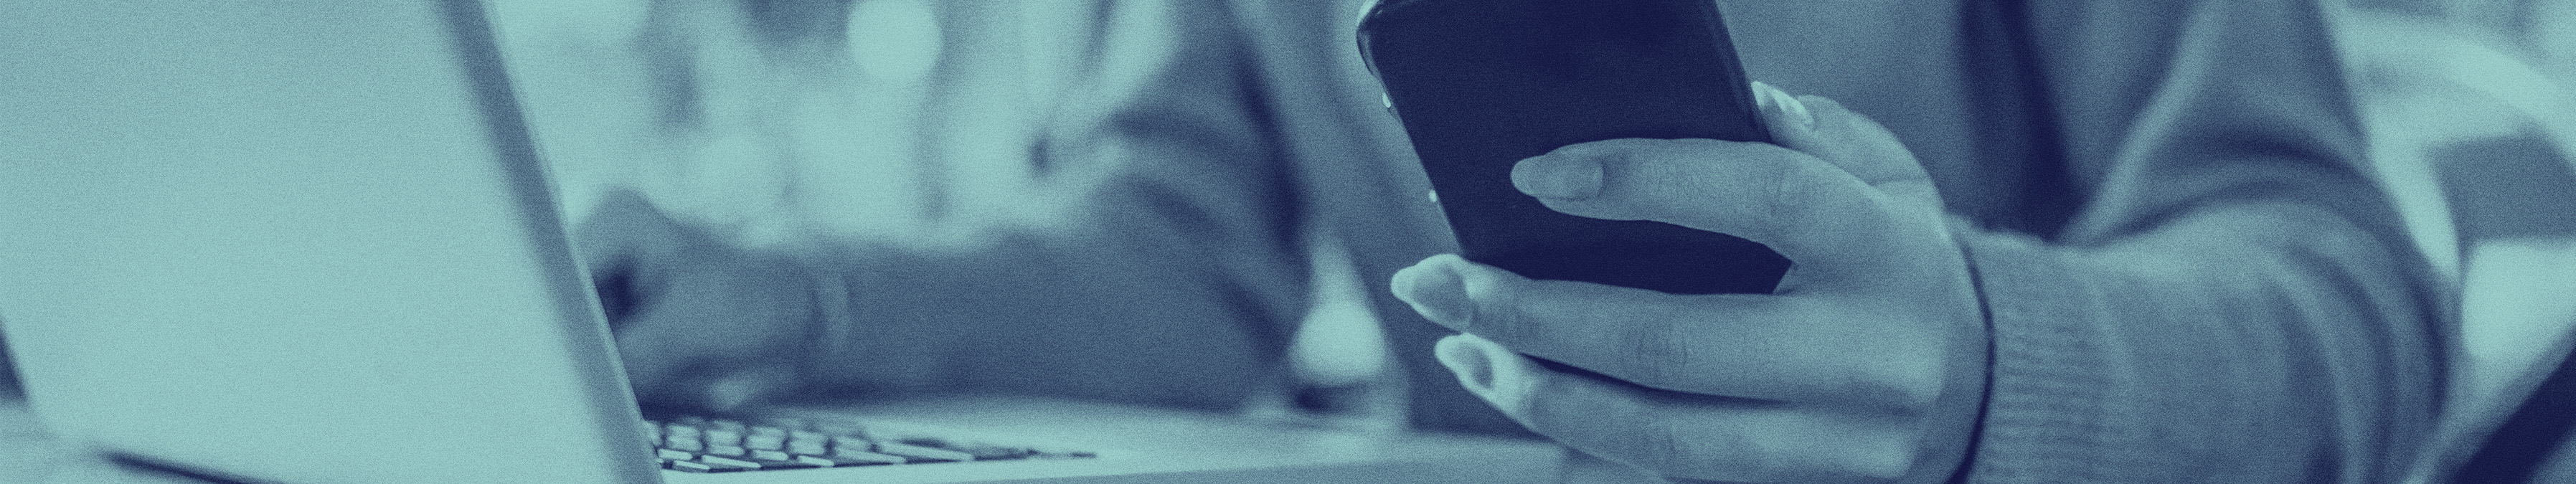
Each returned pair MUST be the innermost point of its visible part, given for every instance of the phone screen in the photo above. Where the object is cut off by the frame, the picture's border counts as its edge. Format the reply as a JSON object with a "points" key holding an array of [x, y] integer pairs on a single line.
{"points": [[1481, 84]]}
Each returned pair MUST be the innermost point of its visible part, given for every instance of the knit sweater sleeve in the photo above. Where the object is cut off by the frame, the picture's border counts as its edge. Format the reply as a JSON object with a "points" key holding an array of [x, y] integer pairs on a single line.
{"points": [[2236, 301]]}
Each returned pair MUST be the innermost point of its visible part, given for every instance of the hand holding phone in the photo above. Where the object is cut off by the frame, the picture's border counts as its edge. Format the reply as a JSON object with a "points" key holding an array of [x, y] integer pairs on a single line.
{"points": [[1880, 320]]}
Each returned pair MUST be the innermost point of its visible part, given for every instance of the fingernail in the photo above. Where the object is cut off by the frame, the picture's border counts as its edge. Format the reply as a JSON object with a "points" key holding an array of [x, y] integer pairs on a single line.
{"points": [[1557, 176], [1782, 105], [1436, 291], [1467, 361]]}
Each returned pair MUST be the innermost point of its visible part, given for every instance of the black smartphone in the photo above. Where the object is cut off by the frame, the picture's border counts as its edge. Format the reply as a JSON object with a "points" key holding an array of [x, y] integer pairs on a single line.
{"points": [[1481, 84]]}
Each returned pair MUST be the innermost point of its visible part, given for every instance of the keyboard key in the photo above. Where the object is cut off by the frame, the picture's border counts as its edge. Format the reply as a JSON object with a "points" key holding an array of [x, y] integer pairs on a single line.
{"points": [[695, 466], [776, 441], [820, 461], [668, 454], [682, 431], [766, 464], [725, 450], [756, 463], [809, 447], [723, 437], [854, 457], [717, 459], [917, 453], [691, 445]]}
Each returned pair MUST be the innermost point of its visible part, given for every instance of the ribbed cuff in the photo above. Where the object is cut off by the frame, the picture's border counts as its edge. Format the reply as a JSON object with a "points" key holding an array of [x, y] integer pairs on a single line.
{"points": [[2046, 402]]}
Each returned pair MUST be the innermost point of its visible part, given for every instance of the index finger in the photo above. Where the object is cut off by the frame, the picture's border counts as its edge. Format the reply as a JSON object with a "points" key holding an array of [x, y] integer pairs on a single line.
{"points": [[1829, 221]]}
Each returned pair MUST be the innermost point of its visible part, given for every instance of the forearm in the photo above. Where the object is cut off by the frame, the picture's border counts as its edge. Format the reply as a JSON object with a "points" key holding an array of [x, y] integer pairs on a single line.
{"points": [[2246, 343], [1081, 318]]}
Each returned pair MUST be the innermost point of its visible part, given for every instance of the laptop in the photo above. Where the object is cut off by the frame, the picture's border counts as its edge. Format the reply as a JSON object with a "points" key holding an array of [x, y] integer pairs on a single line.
{"points": [[313, 242]]}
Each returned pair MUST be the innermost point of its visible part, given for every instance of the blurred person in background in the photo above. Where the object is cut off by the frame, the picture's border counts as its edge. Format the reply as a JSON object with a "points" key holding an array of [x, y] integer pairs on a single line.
{"points": [[1098, 200], [2133, 241]]}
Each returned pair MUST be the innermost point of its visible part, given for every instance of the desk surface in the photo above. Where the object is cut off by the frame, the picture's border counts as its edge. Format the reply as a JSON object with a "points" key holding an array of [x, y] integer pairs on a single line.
{"points": [[29, 455]]}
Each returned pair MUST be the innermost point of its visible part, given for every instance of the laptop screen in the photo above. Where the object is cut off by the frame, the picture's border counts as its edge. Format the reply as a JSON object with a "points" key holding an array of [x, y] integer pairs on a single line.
{"points": [[283, 241]]}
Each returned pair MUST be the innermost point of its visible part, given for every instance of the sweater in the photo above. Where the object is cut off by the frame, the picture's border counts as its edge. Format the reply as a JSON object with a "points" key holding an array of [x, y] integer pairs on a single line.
{"points": [[2189, 272]]}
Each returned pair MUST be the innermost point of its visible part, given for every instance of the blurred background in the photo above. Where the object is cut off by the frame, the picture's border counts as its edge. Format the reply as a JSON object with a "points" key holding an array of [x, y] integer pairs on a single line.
{"points": [[2472, 120], [1000, 129]]}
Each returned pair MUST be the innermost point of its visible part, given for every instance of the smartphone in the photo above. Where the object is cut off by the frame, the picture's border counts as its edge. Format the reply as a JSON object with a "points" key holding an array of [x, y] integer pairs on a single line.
{"points": [[1481, 84]]}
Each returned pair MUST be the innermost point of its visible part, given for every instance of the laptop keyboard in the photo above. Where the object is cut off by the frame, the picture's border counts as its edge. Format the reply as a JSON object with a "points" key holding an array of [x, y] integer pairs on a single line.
{"points": [[696, 444]]}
